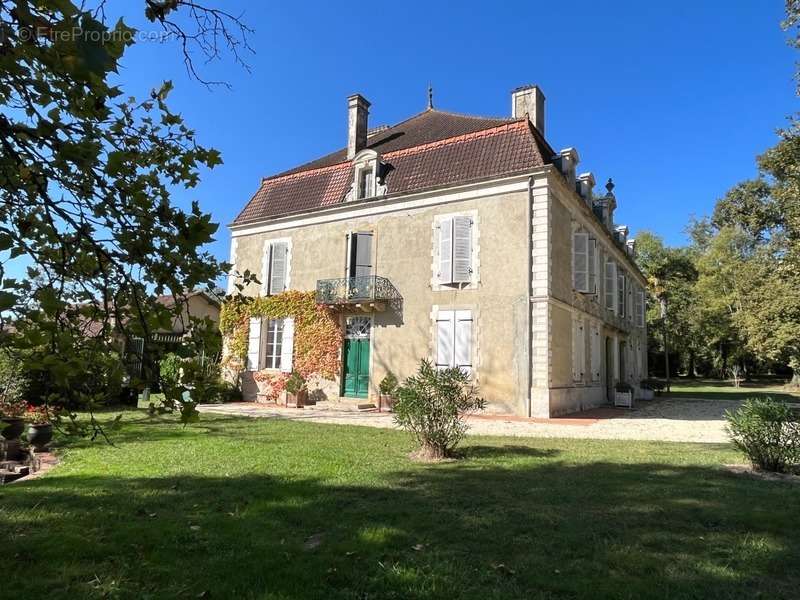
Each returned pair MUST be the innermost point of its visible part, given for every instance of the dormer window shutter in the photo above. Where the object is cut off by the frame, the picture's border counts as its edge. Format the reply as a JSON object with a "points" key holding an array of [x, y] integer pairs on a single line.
{"points": [[580, 261], [462, 249], [279, 253], [446, 251]]}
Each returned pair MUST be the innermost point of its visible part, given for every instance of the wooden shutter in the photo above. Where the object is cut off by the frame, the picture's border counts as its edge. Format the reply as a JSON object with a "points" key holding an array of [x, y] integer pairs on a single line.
{"points": [[611, 286], [621, 294], [279, 255], [577, 370], [462, 249], [580, 261], [446, 251], [463, 340], [254, 345], [362, 255], [348, 254], [287, 345], [592, 258], [445, 336], [640, 308], [594, 342]]}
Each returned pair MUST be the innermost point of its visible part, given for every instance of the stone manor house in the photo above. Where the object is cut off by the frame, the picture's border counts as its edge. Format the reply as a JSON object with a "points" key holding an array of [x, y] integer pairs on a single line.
{"points": [[463, 239]]}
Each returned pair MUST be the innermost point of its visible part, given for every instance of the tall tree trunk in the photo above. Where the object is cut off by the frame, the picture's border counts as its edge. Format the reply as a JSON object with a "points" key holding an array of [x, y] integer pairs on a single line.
{"points": [[690, 370], [794, 365]]}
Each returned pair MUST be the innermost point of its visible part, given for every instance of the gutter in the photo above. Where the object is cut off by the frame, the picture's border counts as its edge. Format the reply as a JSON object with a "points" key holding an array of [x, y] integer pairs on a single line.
{"points": [[528, 305]]}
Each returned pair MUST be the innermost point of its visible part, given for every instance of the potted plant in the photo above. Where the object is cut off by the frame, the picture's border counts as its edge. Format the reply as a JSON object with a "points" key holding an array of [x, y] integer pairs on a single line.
{"points": [[623, 395], [297, 389], [387, 388], [40, 427], [11, 415]]}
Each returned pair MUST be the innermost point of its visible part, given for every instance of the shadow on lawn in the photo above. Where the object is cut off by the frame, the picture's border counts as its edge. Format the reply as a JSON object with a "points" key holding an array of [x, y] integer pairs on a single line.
{"points": [[529, 527]]}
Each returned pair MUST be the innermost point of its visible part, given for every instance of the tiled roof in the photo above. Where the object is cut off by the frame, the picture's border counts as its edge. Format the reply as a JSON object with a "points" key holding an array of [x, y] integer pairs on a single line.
{"points": [[432, 149]]}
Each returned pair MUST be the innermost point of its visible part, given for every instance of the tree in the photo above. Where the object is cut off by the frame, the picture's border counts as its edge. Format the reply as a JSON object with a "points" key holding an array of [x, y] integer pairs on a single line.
{"points": [[670, 275], [86, 178]]}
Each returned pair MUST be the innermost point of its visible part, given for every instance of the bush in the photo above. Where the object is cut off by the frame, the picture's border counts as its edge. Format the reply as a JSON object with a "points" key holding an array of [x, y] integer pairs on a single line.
{"points": [[653, 384], [295, 384], [388, 384], [432, 406], [766, 431], [170, 369]]}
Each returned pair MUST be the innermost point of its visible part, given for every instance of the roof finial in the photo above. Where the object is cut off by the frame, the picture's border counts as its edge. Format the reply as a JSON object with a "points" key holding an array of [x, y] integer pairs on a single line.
{"points": [[610, 185], [430, 97]]}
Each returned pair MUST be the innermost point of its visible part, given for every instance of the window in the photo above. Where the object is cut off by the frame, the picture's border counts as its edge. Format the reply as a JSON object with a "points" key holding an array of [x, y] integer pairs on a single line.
{"points": [[596, 352], [270, 344], [277, 267], [578, 349], [455, 250], [640, 308], [580, 261], [454, 339], [274, 342], [611, 286], [366, 180], [621, 294]]}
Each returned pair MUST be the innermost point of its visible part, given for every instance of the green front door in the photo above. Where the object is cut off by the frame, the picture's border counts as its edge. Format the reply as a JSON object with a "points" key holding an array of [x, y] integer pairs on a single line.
{"points": [[356, 367]]}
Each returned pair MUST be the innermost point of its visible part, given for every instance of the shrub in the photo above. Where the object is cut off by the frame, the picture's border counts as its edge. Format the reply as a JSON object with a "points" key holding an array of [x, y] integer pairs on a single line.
{"points": [[653, 384], [388, 384], [432, 406], [295, 384], [170, 369], [766, 431]]}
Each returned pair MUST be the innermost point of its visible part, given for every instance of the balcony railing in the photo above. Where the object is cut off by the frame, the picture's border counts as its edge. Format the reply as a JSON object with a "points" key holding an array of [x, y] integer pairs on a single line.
{"points": [[369, 290]]}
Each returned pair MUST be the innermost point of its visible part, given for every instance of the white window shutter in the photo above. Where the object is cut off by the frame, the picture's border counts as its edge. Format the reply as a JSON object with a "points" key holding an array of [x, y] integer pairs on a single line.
{"points": [[575, 360], [445, 336], [596, 353], [463, 340], [254, 345], [592, 258], [620, 294], [580, 263], [278, 263], [287, 345], [640, 308], [462, 249], [446, 251], [611, 286], [348, 254]]}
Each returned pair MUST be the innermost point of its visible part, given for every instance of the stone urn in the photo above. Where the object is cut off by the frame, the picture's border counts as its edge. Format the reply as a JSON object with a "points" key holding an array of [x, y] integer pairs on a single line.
{"points": [[39, 435], [12, 427]]}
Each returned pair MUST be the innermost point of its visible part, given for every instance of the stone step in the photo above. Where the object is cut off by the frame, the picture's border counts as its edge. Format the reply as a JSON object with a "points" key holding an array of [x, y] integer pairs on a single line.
{"points": [[345, 405]]}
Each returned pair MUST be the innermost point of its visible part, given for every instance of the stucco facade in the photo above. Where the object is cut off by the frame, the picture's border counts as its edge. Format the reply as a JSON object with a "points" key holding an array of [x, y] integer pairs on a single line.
{"points": [[530, 339]]}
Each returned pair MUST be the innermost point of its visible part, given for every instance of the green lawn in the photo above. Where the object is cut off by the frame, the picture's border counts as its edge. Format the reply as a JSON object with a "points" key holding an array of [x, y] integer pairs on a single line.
{"points": [[238, 508], [715, 389]]}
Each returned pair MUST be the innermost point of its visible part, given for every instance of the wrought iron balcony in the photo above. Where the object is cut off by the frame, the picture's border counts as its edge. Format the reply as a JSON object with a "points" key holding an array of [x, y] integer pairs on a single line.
{"points": [[368, 292]]}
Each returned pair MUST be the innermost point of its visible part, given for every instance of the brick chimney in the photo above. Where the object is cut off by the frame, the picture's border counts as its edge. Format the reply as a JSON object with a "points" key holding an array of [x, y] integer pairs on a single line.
{"points": [[357, 117], [529, 100]]}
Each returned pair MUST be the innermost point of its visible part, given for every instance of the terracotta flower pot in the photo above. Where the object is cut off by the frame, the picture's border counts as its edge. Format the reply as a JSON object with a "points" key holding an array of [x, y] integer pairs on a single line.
{"points": [[12, 428], [39, 435]]}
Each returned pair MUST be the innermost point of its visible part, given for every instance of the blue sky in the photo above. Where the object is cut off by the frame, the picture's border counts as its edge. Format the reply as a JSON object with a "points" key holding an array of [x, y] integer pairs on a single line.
{"points": [[672, 100]]}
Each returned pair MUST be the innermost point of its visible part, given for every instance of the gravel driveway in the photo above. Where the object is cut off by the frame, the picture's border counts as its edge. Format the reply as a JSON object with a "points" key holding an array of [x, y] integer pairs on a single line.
{"points": [[663, 419]]}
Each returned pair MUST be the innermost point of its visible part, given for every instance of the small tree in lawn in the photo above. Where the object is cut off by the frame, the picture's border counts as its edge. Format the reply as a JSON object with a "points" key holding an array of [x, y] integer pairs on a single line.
{"points": [[433, 405]]}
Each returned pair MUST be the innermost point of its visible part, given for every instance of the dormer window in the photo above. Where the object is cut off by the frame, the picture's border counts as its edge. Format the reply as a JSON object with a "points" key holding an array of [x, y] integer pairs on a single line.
{"points": [[366, 171], [366, 182]]}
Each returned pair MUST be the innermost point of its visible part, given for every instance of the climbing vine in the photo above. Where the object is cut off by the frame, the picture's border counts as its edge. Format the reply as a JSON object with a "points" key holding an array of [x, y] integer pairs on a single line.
{"points": [[317, 335]]}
